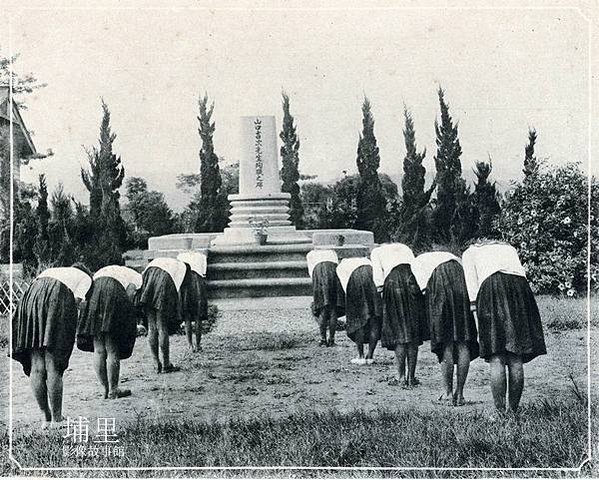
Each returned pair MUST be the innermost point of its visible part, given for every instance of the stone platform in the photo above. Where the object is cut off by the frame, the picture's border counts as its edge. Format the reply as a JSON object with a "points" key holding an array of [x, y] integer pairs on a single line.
{"points": [[278, 268]]}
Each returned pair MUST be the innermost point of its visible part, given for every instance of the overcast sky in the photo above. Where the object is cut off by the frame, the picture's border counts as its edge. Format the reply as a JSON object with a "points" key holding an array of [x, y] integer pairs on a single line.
{"points": [[503, 71]]}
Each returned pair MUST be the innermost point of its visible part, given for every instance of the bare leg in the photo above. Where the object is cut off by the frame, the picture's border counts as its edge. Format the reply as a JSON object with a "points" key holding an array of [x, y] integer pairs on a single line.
{"points": [[516, 380], [463, 367], [332, 326], [400, 356], [412, 360], [322, 324], [188, 331], [498, 381], [38, 385], [54, 383], [153, 339], [114, 367], [198, 334], [372, 341], [100, 362], [447, 372], [163, 341]]}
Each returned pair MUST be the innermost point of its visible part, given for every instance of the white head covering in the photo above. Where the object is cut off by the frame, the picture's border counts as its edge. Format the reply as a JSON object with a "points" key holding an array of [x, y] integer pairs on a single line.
{"points": [[124, 275], [74, 279], [175, 268], [425, 264], [315, 257], [482, 261], [347, 267], [196, 260], [386, 257]]}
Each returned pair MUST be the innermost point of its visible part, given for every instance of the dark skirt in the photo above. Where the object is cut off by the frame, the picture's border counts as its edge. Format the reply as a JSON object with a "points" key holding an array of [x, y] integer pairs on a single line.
{"points": [[45, 318], [404, 317], [108, 312], [194, 297], [158, 292], [508, 318], [448, 310], [326, 289], [363, 308]]}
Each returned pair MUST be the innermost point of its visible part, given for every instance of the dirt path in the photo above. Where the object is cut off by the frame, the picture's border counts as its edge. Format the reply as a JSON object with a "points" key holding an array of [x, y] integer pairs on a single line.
{"points": [[267, 362]]}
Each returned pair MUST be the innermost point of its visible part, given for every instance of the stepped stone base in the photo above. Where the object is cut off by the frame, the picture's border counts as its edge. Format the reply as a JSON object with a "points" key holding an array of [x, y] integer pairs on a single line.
{"points": [[277, 269], [272, 208]]}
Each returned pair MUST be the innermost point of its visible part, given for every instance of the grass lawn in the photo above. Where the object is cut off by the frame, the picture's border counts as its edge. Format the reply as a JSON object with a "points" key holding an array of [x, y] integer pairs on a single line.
{"points": [[262, 393]]}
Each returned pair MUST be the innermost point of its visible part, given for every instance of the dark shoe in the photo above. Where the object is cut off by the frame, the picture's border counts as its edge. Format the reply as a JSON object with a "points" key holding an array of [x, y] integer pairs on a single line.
{"points": [[171, 368], [118, 393], [414, 382]]}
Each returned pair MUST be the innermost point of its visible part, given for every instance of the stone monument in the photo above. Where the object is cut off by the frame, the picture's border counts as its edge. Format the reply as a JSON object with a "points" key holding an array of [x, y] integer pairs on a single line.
{"points": [[260, 198], [237, 265]]}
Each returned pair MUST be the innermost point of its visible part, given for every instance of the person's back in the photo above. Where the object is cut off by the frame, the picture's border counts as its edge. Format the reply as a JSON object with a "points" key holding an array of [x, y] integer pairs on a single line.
{"points": [[328, 301], [159, 296], [453, 332], [509, 323], [194, 296], [43, 332], [363, 309]]}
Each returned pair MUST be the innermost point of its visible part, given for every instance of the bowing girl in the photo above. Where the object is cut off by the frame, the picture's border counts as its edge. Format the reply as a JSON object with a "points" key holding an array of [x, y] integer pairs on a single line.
{"points": [[363, 310], [108, 326], [194, 296], [159, 297], [404, 320], [43, 332], [452, 327], [509, 324], [328, 300]]}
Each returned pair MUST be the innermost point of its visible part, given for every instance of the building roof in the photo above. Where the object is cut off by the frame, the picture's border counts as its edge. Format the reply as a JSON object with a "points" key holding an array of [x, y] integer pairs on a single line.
{"points": [[18, 124]]}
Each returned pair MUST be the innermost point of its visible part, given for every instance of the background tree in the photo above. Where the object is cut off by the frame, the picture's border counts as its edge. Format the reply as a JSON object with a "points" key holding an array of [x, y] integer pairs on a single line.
{"points": [[485, 201], [210, 209], [317, 201], [290, 165], [64, 250], [335, 206], [150, 215], [451, 187], [531, 164], [190, 184], [22, 84], [371, 206], [42, 239], [102, 180], [545, 218], [414, 222]]}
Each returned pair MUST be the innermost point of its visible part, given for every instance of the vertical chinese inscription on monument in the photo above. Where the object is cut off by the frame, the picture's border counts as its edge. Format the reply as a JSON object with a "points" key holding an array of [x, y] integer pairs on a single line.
{"points": [[258, 152]]}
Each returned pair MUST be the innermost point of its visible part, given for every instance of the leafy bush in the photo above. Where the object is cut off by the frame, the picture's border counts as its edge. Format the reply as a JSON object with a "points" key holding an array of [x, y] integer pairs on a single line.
{"points": [[210, 322], [545, 218]]}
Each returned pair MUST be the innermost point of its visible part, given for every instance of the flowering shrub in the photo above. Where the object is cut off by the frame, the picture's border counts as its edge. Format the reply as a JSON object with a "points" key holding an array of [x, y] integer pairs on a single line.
{"points": [[545, 218]]}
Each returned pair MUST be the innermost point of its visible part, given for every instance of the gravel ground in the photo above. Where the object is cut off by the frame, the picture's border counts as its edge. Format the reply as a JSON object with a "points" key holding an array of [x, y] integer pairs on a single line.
{"points": [[266, 361]]}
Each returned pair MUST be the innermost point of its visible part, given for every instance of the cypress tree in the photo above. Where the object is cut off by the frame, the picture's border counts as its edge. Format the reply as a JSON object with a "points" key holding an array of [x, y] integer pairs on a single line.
{"points": [[485, 200], [42, 239], [531, 165], [102, 180], [370, 201], [211, 213], [290, 165], [451, 187], [414, 229]]}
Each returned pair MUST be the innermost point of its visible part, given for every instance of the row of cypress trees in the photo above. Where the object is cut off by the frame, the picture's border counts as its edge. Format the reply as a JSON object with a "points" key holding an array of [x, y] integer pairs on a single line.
{"points": [[454, 215]]}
